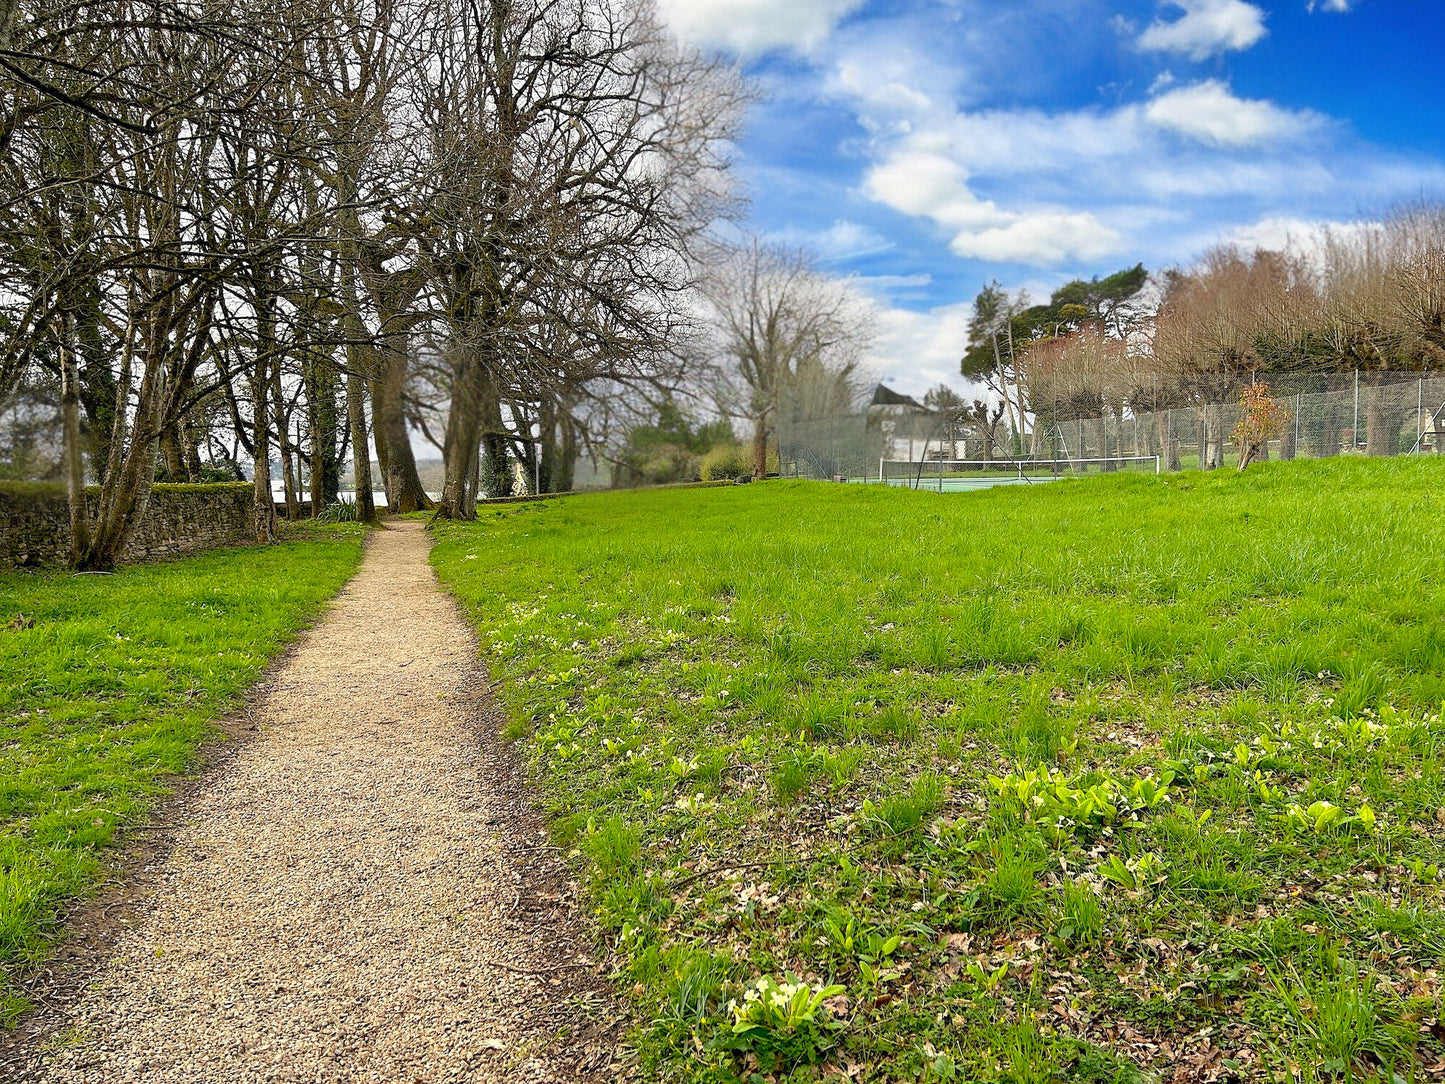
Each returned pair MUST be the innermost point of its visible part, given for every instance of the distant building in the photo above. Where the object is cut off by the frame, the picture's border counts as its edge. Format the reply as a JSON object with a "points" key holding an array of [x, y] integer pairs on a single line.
{"points": [[900, 426]]}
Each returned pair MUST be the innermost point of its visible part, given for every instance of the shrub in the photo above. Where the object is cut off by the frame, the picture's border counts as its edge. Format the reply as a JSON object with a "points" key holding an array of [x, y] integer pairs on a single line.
{"points": [[656, 465], [733, 461], [726, 461], [1261, 418]]}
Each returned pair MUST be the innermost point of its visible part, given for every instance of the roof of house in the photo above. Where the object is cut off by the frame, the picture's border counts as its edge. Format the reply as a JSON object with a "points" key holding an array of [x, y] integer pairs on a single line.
{"points": [[886, 396]]}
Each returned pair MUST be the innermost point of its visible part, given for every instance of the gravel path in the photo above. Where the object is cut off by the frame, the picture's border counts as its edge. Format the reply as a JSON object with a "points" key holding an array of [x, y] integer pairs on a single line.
{"points": [[362, 893]]}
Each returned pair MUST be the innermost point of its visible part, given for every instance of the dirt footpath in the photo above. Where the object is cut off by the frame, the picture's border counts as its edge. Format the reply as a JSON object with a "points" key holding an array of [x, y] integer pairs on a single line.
{"points": [[360, 893]]}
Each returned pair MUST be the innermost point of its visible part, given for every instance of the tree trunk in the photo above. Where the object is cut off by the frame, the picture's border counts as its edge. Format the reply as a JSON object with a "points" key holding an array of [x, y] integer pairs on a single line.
{"points": [[125, 492], [563, 476], [97, 380], [1385, 410], [322, 383], [559, 448], [289, 480], [361, 461], [191, 441], [284, 445], [547, 448], [1213, 449], [760, 446], [360, 368], [173, 455], [1168, 439], [463, 433], [474, 480], [1322, 430], [457, 462], [404, 491], [8, 11], [263, 507], [378, 440], [73, 452], [493, 469]]}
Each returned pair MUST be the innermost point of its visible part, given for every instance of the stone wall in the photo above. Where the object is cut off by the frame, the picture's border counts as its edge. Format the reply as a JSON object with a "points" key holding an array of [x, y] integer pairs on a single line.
{"points": [[35, 522]]}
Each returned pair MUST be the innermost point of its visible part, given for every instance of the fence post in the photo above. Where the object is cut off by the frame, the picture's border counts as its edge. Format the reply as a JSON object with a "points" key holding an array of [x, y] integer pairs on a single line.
{"points": [[880, 469], [1298, 406], [1156, 464], [1355, 431], [1420, 416]]}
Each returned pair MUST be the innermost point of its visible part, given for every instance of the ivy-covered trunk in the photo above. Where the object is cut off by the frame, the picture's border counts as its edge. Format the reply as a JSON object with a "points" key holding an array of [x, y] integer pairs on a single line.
{"points": [[323, 385], [263, 508]]}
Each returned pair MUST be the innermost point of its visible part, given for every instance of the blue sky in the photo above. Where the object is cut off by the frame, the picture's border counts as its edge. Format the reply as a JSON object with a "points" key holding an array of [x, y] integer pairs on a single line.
{"points": [[928, 146]]}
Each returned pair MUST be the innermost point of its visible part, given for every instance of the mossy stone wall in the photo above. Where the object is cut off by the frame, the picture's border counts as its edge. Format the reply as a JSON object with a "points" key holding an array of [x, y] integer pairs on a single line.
{"points": [[35, 522]]}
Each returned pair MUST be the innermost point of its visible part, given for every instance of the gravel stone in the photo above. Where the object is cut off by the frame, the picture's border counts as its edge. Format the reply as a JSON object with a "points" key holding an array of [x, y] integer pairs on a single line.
{"points": [[363, 893]]}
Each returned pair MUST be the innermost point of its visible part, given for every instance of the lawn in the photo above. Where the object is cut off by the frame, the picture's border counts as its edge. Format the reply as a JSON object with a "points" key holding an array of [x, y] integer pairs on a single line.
{"points": [[1125, 778], [109, 684]]}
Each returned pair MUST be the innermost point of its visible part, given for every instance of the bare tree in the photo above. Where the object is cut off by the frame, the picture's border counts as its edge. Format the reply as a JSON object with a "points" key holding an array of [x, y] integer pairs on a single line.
{"points": [[108, 161], [208, 221], [785, 332], [572, 148]]}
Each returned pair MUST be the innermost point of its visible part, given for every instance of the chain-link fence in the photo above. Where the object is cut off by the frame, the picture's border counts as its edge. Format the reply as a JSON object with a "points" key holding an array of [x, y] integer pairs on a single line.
{"points": [[1367, 413]]}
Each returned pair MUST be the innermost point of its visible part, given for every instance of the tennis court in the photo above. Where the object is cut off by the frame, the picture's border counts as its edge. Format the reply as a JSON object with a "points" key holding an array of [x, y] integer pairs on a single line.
{"points": [[960, 476]]}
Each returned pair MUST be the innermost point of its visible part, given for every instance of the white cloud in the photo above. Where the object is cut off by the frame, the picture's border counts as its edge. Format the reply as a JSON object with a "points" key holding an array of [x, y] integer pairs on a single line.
{"points": [[915, 351], [1166, 178], [928, 184], [1340, 6], [889, 72], [756, 26], [843, 240], [885, 92], [1276, 232], [1040, 238], [1157, 175], [1030, 142], [1071, 189], [1206, 28], [891, 284], [1309, 238], [1210, 112]]}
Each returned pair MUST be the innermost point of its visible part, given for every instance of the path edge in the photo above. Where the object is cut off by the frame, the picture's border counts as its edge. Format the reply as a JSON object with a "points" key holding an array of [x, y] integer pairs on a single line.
{"points": [[526, 845], [93, 924]]}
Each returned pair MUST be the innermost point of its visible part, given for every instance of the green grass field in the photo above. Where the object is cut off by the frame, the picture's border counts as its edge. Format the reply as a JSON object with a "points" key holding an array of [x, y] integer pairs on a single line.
{"points": [[109, 685], [1121, 779]]}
